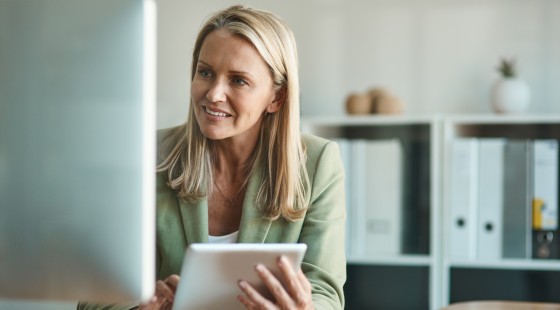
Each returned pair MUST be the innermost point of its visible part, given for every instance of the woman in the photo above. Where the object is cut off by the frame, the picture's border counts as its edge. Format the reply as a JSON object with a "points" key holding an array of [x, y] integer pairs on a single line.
{"points": [[239, 171]]}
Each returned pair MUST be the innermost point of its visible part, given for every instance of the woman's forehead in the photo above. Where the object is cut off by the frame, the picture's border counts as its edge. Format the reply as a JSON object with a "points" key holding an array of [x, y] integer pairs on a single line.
{"points": [[221, 47]]}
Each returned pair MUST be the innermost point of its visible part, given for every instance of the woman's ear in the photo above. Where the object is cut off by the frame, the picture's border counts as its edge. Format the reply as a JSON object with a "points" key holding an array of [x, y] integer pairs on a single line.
{"points": [[279, 99]]}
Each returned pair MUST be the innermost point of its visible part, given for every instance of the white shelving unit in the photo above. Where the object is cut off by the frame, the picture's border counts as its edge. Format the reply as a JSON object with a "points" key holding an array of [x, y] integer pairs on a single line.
{"points": [[424, 261], [483, 272], [434, 267]]}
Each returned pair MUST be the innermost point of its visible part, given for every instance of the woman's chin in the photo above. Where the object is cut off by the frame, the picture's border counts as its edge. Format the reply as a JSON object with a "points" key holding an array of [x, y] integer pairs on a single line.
{"points": [[212, 135]]}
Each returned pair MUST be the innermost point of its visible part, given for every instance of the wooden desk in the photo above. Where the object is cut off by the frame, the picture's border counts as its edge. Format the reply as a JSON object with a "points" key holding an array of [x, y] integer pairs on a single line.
{"points": [[501, 305]]}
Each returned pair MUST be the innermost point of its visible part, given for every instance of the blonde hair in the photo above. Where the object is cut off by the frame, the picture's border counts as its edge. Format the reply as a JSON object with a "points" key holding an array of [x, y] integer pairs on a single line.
{"points": [[279, 149]]}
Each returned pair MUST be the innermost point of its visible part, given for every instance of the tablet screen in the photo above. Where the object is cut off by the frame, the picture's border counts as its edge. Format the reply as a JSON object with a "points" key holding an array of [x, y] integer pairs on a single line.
{"points": [[210, 272]]}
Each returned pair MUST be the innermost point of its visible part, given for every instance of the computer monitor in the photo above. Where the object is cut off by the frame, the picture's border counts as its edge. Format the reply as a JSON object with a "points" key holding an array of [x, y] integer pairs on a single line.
{"points": [[77, 150]]}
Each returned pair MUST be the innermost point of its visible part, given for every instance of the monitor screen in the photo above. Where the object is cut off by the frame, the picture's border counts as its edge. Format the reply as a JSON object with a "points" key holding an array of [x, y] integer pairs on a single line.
{"points": [[77, 149]]}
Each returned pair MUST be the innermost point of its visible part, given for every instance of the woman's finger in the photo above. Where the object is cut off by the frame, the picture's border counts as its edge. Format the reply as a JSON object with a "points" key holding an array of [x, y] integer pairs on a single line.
{"points": [[296, 283], [291, 278], [304, 281], [164, 294], [172, 281], [246, 302], [304, 301], [275, 287], [294, 294], [166, 305], [253, 299]]}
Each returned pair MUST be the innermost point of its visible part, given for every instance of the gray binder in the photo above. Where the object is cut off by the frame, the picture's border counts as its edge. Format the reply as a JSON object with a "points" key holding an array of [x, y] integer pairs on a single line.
{"points": [[517, 230]]}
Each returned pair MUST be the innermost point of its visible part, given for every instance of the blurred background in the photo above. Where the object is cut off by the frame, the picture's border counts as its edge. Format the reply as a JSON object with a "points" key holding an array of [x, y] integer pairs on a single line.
{"points": [[438, 56]]}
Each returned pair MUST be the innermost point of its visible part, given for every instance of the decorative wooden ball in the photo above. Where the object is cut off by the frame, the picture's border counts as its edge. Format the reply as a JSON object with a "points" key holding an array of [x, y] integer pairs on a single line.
{"points": [[389, 104], [375, 94], [358, 104]]}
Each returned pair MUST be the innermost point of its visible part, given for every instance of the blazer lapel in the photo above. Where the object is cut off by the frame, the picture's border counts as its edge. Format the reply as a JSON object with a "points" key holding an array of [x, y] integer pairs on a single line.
{"points": [[253, 227], [195, 220]]}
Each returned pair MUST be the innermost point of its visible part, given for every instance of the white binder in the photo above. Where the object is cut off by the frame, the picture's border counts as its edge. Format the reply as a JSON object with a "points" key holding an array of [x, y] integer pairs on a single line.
{"points": [[490, 198], [383, 197], [463, 183]]}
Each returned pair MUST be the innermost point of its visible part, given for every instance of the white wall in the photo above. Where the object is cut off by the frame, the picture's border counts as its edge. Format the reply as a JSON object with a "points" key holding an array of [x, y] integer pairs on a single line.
{"points": [[437, 55]]}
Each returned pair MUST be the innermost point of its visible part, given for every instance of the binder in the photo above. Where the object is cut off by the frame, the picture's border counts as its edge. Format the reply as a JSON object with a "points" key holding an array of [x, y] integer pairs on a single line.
{"points": [[463, 191], [545, 199], [517, 226], [383, 197], [490, 198]]}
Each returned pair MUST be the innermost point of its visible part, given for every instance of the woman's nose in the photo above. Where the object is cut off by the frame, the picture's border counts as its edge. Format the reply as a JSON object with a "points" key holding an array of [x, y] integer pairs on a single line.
{"points": [[217, 91]]}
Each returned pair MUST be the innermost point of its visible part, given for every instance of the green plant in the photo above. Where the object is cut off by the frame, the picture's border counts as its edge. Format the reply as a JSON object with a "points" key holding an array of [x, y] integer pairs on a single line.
{"points": [[507, 68]]}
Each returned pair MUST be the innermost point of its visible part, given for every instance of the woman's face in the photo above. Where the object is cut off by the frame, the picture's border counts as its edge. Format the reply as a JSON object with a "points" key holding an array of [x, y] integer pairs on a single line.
{"points": [[232, 89]]}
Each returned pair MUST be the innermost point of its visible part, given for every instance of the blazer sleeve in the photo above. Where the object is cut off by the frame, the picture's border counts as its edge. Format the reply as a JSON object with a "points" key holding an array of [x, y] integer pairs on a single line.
{"points": [[323, 228]]}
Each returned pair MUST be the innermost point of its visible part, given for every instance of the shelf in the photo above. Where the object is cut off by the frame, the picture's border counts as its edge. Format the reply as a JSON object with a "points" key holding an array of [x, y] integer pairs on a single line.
{"points": [[417, 266], [400, 260], [498, 119], [507, 278], [426, 143], [524, 264], [365, 281], [375, 120], [470, 119], [506, 126]]}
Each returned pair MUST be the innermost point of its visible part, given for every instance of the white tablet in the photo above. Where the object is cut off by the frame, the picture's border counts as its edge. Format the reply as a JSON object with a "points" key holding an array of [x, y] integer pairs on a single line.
{"points": [[211, 271]]}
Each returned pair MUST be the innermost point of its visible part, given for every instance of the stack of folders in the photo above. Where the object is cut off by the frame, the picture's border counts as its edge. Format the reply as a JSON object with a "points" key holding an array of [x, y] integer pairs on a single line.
{"points": [[503, 199], [374, 173]]}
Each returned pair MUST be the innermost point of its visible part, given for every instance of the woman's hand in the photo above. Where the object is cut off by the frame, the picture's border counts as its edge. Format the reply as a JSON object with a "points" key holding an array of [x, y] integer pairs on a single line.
{"points": [[164, 295], [295, 295]]}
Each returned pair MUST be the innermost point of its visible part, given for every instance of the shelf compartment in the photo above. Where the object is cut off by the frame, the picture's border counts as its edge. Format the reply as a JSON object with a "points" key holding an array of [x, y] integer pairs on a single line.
{"points": [[501, 284]]}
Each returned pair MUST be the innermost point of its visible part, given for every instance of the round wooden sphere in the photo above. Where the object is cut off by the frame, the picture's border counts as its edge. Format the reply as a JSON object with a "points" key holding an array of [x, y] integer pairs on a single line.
{"points": [[358, 104]]}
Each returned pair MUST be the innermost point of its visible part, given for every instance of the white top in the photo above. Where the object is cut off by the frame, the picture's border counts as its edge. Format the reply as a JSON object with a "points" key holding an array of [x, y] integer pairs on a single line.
{"points": [[231, 238]]}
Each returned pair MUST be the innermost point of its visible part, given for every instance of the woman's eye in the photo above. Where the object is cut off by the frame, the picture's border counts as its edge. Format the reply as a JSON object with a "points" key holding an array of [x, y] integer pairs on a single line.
{"points": [[239, 81], [204, 73]]}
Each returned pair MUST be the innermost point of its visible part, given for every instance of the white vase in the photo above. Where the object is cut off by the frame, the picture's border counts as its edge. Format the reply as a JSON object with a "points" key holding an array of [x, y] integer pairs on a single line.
{"points": [[511, 95]]}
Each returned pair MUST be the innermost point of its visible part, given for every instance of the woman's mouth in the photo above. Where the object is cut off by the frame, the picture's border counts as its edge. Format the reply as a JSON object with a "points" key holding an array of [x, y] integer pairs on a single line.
{"points": [[216, 113]]}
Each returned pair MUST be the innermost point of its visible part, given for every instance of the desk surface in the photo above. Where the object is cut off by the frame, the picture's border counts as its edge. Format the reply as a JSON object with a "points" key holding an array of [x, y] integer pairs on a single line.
{"points": [[502, 305]]}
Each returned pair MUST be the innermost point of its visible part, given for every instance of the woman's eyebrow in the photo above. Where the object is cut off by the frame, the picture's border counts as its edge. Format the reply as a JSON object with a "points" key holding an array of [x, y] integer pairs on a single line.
{"points": [[244, 73], [240, 72], [204, 63]]}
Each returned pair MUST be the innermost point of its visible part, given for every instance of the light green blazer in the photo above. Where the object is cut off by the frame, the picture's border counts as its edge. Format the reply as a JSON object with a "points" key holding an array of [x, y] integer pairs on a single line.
{"points": [[180, 223]]}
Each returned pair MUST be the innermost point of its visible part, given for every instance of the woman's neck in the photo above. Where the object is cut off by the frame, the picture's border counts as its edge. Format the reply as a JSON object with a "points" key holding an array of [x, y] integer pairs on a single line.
{"points": [[232, 161]]}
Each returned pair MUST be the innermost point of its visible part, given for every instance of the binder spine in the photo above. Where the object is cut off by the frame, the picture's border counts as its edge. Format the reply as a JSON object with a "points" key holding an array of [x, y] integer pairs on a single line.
{"points": [[517, 228], [384, 197], [464, 170], [490, 198]]}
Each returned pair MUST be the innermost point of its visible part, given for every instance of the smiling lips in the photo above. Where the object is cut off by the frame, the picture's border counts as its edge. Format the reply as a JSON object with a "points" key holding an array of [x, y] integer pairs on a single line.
{"points": [[214, 113]]}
